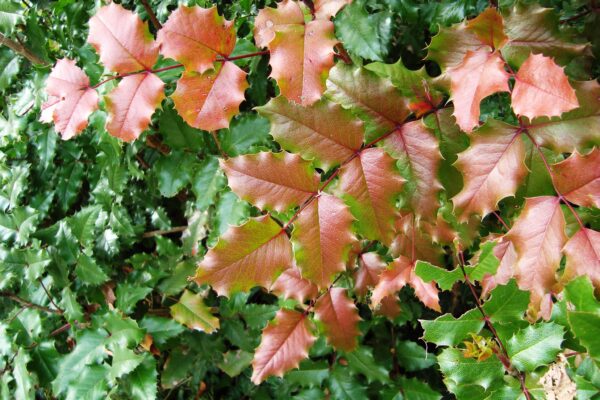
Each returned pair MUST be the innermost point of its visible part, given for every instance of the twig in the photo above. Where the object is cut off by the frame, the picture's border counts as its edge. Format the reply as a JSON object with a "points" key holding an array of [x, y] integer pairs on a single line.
{"points": [[505, 357], [21, 50], [504, 224], [151, 14], [216, 139], [15, 298], [60, 330], [161, 232], [50, 297]]}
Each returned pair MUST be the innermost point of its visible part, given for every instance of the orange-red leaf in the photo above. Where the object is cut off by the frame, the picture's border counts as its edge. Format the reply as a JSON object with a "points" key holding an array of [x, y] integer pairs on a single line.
{"points": [[70, 98], [209, 100], [370, 266], [246, 256], [285, 342], [489, 28], [538, 236], [131, 105], [504, 251], [340, 319], [542, 89], [578, 178], [400, 273], [122, 39], [274, 181], [492, 167], [424, 247], [291, 285], [325, 9], [322, 237], [324, 131], [195, 36], [301, 53], [370, 184], [418, 149], [481, 74], [583, 256]]}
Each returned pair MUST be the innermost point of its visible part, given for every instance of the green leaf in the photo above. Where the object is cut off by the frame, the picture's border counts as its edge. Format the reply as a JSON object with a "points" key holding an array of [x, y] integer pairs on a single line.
{"points": [[10, 16], [174, 172], [142, 381], [444, 278], [208, 181], [18, 225], [309, 374], [344, 387], [257, 315], [45, 144], [23, 378], [89, 383], [413, 357], [361, 360], [449, 331], [234, 362], [9, 68], [535, 346], [191, 312], [366, 35], [69, 303], [507, 303], [89, 272], [178, 279], [123, 362], [248, 133], [414, 389], [128, 296], [177, 134], [161, 329], [585, 318], [33, 262], [460, 372], [83, 224], [69, 184], [124, 331], [195, 232]]}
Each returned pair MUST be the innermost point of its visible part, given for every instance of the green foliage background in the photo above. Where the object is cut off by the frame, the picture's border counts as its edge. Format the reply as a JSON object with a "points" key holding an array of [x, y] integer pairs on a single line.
{"points": [[112, 232]]}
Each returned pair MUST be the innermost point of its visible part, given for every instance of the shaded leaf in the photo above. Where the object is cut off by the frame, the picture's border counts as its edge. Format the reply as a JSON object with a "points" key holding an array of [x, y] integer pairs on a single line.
{"points": [[291, 285], [339, 316], [191, 311]]}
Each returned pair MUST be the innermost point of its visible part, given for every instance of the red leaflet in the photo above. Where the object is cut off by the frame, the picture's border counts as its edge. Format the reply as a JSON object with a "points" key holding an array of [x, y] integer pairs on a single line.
{"points": [[274, 181], [322, 237], [583, 256], [301, 53], [122, 40], [538, 237], [505, 252], [479, 75], [370, 184], [131, 105], [291, 285], [492, 168], [325, 9], [249, 255], [70, 99], [195, 36], [339, 317], [367, 275], [208, 101], [542, 89], [578, 178], [285, 342]]}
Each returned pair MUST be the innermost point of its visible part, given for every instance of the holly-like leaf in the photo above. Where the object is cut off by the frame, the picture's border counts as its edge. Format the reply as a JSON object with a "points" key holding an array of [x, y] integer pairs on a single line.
{"points": [[274, 181], [577, 129], [505, 252], [584, 315], [578, 178], [322, 237], [195, 36], [532, 29], [131, 105], [449, 331], [246, 256], [285, 342], [460, 372], [538, 236], [373, 99], [369, 184], [191, 312], [535, 346], [542, 89], [443, 277], [583, 256], [400, 273], [71, 99], [449, 47], [489, 28], [367, 275], [413, 357], [479, 75], [324, 131], [325, 9], [301, 52], [209, 100], [507, 303], [344, 386], [122, 40], [339, 316], [418, 151], [291, 285], [492, 167]]}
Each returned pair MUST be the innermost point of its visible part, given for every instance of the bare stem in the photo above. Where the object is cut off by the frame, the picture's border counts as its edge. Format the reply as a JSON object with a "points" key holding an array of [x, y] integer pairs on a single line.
{"points": [[161, 232], [151, 14], [21, 50], [28, 304], [50, 297]]}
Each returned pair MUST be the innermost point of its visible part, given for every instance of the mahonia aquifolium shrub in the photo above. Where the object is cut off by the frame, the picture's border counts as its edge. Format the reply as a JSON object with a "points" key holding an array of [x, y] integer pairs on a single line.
{"points": [[272, 200]]}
